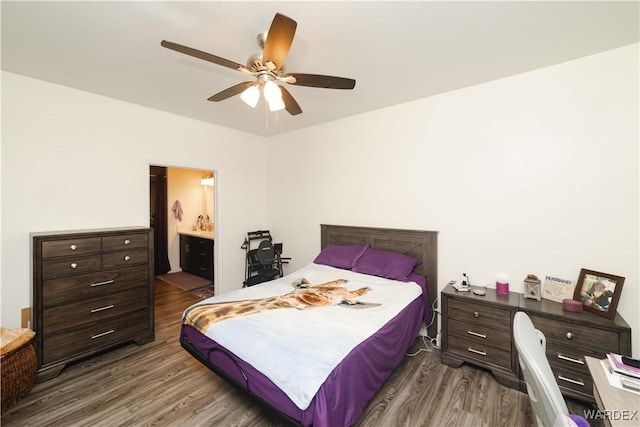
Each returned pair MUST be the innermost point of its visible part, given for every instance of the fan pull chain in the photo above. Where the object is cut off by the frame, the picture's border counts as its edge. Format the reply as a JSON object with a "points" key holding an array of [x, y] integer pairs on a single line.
{"points": [[266, 115]]}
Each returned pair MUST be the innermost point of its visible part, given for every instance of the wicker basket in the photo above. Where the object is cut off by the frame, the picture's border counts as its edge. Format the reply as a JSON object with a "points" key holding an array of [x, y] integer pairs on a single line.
{"points": [[18, 369]]}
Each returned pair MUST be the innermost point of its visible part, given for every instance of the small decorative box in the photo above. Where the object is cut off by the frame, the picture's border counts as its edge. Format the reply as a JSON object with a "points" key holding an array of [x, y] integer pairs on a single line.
{"points": [[571, 305]]}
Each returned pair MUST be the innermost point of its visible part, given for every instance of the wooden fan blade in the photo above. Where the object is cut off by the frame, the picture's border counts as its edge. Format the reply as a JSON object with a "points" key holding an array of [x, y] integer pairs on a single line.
{"points": [[327, 82], [279, 39], [290, 104], [229, 92], [201, 55]]}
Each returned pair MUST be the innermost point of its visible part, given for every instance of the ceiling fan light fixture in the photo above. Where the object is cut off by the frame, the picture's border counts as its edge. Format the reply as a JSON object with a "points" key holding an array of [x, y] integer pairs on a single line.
{"points": [[250, 96], [268, 69], [276, 104], [272, 91]]}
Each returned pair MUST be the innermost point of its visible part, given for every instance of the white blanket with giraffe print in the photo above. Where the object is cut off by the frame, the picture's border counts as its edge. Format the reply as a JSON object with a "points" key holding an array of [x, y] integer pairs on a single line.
{"points": [[298, 349]]}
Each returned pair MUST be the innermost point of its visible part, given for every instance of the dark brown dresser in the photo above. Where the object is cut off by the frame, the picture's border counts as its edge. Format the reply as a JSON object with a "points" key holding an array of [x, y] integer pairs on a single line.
{"points": [[479, 330], [92, 290], [572, 336]]}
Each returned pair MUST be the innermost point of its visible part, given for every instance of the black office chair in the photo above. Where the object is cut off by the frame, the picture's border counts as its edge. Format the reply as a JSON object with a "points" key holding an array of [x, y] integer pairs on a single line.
{"points": [[264, 263]]}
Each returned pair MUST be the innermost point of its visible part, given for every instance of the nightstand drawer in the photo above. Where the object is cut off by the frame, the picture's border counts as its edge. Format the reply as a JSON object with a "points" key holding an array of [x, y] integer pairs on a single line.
{"points": [[590, 340], [479, 334], [492, 317], [480, 351]]}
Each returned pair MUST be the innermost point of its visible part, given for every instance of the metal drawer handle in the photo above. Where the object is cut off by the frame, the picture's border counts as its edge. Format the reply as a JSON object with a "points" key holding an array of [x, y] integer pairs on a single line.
{"points": [[569, 336], [571, 359], [106, 307], [476, 334], [127, 241], [73, 247], [580, 383], [127, 258], [106, 282], [73, 265], [476, 314], [110, 331], [481, 353]]}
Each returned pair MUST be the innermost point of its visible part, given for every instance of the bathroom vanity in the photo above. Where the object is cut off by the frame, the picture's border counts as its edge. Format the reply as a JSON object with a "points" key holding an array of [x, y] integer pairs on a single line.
{"points": [[196, 253]]}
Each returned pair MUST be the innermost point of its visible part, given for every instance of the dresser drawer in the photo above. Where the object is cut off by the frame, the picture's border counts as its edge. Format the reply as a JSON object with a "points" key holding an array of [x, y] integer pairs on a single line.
{"points": [[94, 337], [124, 241], [590, 340], [575, 380], [68, 266], [479, 351], [93, 285], [85, 312], [570, 369], [567, 357], [477, 334], [125, 258], [70, 247], [495, 318]]}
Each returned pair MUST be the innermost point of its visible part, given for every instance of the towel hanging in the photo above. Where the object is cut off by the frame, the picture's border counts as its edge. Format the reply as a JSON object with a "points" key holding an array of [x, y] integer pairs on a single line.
{"points": [[177, 210]]}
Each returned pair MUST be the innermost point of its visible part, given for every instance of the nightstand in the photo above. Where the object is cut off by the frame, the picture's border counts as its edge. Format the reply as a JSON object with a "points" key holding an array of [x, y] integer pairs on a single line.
{"points": [[478, 330], [572, 336]]}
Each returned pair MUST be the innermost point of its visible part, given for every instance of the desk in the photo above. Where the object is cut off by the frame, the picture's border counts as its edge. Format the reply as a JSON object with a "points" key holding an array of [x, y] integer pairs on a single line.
{"points": [[618, 407]]}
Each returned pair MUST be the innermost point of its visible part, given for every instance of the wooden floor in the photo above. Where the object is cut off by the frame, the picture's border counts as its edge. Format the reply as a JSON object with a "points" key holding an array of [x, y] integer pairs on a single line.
{"points": [[160, 384]]}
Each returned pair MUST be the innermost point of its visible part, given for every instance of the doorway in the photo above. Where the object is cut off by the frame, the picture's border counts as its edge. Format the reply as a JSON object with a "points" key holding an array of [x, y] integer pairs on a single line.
{"points": [[182, 207]]}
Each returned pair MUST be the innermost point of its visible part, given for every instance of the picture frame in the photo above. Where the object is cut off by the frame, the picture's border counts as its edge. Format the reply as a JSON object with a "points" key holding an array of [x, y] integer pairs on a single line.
{"points": [[598, 292]]}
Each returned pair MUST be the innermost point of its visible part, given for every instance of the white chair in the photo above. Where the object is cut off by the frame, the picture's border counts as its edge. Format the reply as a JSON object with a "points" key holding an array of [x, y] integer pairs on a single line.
{"points": [[547, 402]]}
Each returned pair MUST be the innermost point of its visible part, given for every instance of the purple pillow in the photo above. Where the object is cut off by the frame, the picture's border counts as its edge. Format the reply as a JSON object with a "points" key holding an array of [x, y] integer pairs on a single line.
{"points": [[391, 265], [341, 256]]}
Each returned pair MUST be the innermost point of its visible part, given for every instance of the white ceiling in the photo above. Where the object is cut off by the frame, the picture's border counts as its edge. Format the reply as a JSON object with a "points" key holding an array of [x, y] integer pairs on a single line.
{"points": [[396, 51]]}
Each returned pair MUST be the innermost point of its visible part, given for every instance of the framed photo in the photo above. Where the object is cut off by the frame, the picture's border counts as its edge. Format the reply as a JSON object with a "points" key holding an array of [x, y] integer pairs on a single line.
{"points": [[599, 292]]}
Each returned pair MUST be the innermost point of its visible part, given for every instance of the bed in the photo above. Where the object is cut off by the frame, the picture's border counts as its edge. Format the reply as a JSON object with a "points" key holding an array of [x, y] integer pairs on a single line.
{"points": [[320, 378]]}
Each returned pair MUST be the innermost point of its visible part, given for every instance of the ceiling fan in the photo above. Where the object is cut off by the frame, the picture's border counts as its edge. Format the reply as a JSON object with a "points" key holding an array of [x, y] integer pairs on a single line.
{"points": [[268, 69]]}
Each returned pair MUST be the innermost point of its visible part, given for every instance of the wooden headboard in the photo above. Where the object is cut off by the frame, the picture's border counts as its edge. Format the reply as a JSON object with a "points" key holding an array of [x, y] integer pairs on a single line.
{"points": [[416, 243]]}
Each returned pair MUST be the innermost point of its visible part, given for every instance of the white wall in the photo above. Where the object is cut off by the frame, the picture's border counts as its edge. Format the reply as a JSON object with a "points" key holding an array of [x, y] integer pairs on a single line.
{"points": [[73, 160], [536, 173]]}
